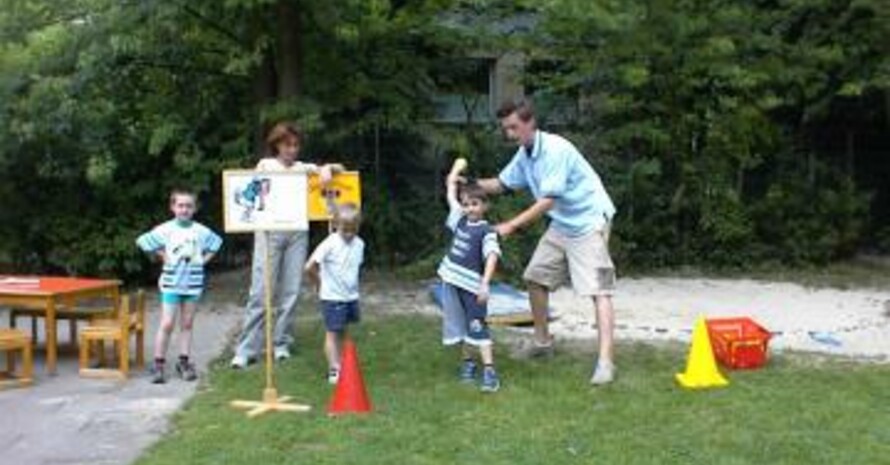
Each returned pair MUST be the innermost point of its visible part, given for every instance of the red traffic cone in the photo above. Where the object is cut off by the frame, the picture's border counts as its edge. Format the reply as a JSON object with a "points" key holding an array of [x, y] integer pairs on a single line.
{"points": [[350, 395]]}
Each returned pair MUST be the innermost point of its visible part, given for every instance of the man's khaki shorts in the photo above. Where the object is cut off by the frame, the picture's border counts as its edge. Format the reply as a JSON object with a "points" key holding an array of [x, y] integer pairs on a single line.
{"points": [[583, 261]]}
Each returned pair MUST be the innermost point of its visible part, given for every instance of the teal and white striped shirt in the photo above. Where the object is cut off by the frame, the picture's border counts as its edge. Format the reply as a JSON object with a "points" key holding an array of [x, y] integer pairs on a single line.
{"points": [[184, 245]]}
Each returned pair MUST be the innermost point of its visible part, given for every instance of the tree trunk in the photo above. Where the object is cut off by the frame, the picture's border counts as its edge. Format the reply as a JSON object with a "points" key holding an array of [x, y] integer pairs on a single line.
{"points": [[290, 50], [887, 107], [265, 87]]}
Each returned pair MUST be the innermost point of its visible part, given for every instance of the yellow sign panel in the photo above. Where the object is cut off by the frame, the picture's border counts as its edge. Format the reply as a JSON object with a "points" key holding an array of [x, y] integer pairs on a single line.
{"points": [[344, 188]]}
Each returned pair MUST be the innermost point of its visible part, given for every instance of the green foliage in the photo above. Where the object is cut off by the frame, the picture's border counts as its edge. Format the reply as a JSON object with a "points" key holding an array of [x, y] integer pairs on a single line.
{"points": [[806, 224], [704, 117], [700, 116], [109, 105]]}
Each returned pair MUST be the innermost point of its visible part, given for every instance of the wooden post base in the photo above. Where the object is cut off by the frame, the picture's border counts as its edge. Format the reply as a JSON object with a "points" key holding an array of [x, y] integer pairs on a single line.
{"points": [[270, 403]]}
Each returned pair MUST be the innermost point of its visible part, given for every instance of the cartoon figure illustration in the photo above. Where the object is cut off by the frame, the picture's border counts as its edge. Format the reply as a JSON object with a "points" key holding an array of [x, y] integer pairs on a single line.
{"points": [[182, 251], [253, 197], [331, 196]]}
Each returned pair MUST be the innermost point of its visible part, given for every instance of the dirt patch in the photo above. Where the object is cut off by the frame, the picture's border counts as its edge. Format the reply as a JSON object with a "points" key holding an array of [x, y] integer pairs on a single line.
{"points": [[848, 322]]}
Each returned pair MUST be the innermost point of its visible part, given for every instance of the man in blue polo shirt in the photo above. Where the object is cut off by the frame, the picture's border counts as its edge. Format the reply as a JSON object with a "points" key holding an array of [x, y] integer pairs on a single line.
{"points": [[575, 247]]}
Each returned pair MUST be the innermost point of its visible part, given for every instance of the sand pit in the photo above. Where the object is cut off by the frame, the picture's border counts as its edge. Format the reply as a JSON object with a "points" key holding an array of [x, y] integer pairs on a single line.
{"points": [[846, 322]]}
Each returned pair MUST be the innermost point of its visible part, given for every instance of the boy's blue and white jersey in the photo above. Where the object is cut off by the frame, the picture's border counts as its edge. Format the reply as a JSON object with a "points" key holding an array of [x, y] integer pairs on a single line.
{"points": [[471, 246], [339, 263], [184, 246]]}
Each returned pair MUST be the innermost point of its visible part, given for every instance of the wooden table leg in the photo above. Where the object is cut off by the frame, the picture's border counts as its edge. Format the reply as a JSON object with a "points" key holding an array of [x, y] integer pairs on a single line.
{"points": [[52, 341], [27, 363]]}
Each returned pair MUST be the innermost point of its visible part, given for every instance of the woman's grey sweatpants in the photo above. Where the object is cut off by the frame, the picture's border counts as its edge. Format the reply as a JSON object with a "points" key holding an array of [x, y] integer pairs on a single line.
{"points": [[287, 255]]}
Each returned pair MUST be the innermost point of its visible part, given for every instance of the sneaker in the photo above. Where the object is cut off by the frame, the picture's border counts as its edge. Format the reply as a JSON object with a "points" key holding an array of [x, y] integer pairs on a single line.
{"points": [[490, 380], [239, 362], [157, 373], [186, 371], [603, 374], [535, 349], [282, 353], [467, 373], [333, 375]]}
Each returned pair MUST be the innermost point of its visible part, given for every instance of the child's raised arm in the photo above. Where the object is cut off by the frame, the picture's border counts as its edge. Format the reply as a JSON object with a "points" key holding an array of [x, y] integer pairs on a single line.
{"points": [[451, 183]]}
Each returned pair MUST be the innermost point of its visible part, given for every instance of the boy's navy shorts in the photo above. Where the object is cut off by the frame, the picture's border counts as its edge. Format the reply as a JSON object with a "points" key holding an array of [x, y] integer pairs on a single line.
{"points": [[338, 314]]}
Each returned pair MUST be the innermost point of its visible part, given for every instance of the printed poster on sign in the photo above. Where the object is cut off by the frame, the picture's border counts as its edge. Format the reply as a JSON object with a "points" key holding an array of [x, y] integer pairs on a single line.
{"points": [[265, 201]]}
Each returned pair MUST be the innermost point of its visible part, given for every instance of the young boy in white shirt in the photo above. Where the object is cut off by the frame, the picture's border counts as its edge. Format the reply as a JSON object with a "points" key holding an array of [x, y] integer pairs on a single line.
{"points": [[334, 268]]}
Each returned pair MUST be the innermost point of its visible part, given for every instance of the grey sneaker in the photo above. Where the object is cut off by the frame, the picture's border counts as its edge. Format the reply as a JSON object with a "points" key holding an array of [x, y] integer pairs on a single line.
{"points": [[467, 373], [603, 374], [186, 371], [157, 373], [535, 349], [490, 380], [282, 353]]}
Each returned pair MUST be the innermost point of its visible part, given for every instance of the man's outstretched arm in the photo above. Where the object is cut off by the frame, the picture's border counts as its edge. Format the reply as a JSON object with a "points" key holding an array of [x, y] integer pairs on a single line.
{"points": [[491, 186], [526, 217]]}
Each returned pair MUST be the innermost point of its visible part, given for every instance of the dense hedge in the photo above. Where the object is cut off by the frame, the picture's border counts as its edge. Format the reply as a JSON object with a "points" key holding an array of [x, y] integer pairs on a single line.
{"points": [[729, 132]]}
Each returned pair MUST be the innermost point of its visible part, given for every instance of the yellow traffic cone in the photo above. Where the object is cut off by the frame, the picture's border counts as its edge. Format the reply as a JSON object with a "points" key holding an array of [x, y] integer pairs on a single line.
{"points": [[701, 369]]}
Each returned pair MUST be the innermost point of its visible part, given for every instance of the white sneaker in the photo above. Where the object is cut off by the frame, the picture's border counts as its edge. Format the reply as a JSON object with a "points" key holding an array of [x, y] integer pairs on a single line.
{"points": [[239, 362], [604, 374], [333, 375], [282, 353]]}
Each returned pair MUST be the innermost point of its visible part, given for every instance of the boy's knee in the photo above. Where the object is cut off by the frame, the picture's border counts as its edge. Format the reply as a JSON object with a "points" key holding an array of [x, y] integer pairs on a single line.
{"points": [[167, 326]]}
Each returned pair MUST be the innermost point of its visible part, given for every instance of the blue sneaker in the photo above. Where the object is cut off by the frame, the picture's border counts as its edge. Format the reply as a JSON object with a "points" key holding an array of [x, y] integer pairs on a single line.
{"points": [[490, 380], [467, 372]]}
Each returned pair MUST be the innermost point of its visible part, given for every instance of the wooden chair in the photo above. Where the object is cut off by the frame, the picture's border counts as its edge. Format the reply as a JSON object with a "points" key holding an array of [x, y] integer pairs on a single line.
{"points": [[67, 311], [130, 321], [11, 341]]}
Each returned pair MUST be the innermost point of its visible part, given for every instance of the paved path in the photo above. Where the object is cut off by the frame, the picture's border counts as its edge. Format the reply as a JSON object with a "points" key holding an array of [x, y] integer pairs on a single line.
{"points": [[65, 419]]}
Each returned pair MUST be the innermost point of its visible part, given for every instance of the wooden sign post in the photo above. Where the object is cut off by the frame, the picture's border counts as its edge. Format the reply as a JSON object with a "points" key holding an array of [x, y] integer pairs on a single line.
{"points": [[264, 202]]}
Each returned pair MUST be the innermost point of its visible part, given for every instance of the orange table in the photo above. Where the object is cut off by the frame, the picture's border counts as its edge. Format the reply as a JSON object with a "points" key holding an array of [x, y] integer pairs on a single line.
{"points": [[46, 292]]}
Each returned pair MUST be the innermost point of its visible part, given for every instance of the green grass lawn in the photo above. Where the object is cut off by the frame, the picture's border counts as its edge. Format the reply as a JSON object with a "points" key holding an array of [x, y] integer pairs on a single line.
{"points": [[798, 410]]}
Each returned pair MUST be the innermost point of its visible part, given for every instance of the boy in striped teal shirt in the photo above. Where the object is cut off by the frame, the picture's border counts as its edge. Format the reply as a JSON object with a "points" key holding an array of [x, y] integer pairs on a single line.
{"points": [[184, 246]]}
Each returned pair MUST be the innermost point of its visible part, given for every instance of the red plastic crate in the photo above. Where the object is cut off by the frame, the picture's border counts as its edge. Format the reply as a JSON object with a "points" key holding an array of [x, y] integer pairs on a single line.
{"points": [[738, 343]]}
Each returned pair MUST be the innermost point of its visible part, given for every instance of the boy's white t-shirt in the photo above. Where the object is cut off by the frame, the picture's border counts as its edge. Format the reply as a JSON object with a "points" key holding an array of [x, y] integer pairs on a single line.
{"points": [[339, 263]]}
